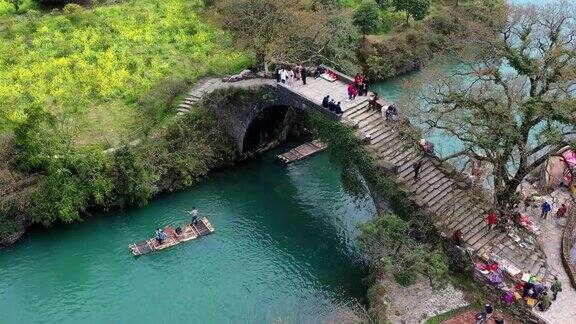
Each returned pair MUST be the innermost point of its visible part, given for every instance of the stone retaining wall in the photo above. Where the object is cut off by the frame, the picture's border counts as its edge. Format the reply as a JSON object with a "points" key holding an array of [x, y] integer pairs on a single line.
{"points": [[568, 242]]}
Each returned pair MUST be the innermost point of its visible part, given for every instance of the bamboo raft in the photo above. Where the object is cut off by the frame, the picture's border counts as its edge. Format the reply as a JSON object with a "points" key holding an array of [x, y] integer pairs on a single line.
{"points": [[188, 232], [302, 151]]}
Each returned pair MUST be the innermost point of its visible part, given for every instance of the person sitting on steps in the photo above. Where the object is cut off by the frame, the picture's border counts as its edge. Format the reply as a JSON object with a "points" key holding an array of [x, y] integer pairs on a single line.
{"points": [[373, 104], [326, 101]]}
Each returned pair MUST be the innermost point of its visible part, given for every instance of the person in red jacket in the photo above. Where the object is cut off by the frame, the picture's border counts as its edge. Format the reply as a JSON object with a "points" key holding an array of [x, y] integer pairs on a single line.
{"points": [[492, 219], [562, 211], [457, 237], [352, 92]]}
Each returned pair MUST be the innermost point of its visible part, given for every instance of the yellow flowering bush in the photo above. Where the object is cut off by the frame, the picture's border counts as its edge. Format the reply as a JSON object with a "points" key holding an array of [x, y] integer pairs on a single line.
{"points": [[97, 63]]}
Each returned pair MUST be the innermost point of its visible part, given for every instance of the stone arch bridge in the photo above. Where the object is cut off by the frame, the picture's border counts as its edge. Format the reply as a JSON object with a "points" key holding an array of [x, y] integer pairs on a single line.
{"points": [[450, 203]]}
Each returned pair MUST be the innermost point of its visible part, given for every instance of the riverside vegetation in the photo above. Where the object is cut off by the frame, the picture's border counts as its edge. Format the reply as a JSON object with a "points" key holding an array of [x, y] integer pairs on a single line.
{"points": [[76, 82], [79, 80]]}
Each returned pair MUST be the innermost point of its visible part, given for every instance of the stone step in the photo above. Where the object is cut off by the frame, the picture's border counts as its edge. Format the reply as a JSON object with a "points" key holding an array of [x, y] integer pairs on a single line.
{"points": [[448, 188], [365, 116], [459, 217], [356, 114], [405, 157], [395, 145], [448, 203], [184, 110], [378, 131], [426, 183], [403, 149], [472, 222], [358, 104], [385, 136], [393, 152], [407, 176], [438, 193], [362, 124], [391, 145], [464, 207], [483, 237], [407, 170], [374, 126], [353, 109], [424, 178]]}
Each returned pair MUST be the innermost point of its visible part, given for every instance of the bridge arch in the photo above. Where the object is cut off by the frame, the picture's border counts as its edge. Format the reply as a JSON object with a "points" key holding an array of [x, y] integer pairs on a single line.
{"points": [[250, 115]]}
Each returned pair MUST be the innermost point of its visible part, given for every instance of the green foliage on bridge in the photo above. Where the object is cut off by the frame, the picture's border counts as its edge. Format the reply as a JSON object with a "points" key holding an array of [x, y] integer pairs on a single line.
{"points": [[404, 244]]}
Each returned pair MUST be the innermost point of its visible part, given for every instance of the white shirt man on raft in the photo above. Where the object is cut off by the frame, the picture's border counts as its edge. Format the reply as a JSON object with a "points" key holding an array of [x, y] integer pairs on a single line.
{"points": [[194, 213]]}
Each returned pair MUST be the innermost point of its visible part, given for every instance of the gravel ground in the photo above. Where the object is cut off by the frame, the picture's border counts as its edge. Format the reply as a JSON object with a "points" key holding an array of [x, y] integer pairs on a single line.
{"points": [[418, 302]]}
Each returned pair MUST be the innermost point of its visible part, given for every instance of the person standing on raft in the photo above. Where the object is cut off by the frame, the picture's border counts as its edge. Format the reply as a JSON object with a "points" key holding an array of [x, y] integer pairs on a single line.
{"points": [[194, 213]]}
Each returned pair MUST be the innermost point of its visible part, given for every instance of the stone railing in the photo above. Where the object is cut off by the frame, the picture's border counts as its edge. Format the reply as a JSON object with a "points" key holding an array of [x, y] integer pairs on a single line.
{"points": [[568, 242]]}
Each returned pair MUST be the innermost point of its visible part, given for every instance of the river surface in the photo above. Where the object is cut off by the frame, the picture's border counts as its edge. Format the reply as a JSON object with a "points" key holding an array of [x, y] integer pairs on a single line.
{"points": [[284, 249]]}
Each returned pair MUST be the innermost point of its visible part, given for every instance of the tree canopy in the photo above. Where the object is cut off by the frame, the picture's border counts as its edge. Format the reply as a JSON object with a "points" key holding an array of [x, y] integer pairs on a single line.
{"points": [[367, 17], [418, 9], [285, 31], [511, 101]]}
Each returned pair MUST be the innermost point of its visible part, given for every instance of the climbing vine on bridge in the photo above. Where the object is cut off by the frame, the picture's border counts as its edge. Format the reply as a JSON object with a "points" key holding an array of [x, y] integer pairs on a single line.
{"points": [[362, 175]]}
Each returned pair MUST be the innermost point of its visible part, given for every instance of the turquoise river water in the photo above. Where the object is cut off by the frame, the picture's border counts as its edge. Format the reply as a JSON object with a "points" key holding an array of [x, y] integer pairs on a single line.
{"points": [[284, 249]]}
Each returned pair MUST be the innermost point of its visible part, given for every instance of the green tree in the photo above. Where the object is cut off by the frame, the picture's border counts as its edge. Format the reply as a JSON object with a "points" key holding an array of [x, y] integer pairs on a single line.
{"points": [[367, 17], [418, 9], [283, 31], [387, 239], [16, 4], [511, 103]]}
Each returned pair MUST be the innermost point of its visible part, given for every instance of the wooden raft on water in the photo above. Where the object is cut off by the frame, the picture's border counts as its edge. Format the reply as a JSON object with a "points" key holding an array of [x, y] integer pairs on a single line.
{"points": [[188, 232], [302, 151]]}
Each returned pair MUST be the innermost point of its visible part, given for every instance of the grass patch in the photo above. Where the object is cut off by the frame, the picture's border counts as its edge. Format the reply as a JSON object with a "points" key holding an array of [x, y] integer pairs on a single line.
{"points": [[92, 67], [440, 318]]}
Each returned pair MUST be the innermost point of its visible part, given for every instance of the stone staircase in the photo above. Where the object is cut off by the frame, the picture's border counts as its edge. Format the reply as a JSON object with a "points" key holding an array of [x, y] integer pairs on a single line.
{"points": [[203, 86], [455, 206], [208, 84]]}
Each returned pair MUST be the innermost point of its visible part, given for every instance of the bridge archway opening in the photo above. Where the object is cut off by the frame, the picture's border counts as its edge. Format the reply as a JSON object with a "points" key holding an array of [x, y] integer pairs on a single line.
{"points": [[268, 127]]}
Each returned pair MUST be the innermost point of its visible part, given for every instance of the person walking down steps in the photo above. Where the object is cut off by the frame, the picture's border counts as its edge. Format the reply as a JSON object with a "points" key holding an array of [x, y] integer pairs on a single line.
{"points": [[417, 167], [546, 208]]}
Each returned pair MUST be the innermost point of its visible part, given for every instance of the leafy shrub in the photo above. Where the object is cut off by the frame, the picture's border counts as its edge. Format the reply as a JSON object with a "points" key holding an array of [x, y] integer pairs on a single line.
{"points": [[71, 182], [72, 8], [135, 175], [367, 17], [7, 225], [52, 3], [194, 144], [31, 144], [385, 22]]}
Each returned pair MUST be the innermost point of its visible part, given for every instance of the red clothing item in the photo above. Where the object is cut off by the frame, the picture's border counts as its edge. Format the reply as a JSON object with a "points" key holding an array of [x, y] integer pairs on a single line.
{"points": [[457, 235], [358, 79], [561, 211], [352, 89], [492, 218]]}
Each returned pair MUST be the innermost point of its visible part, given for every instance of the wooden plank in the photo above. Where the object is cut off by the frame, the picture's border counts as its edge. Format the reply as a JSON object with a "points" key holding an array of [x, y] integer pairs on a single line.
{"points": [[302, 151]]}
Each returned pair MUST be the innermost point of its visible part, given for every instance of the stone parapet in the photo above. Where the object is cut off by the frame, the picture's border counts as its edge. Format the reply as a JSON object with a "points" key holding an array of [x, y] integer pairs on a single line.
{"points": [[568, 242]]}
